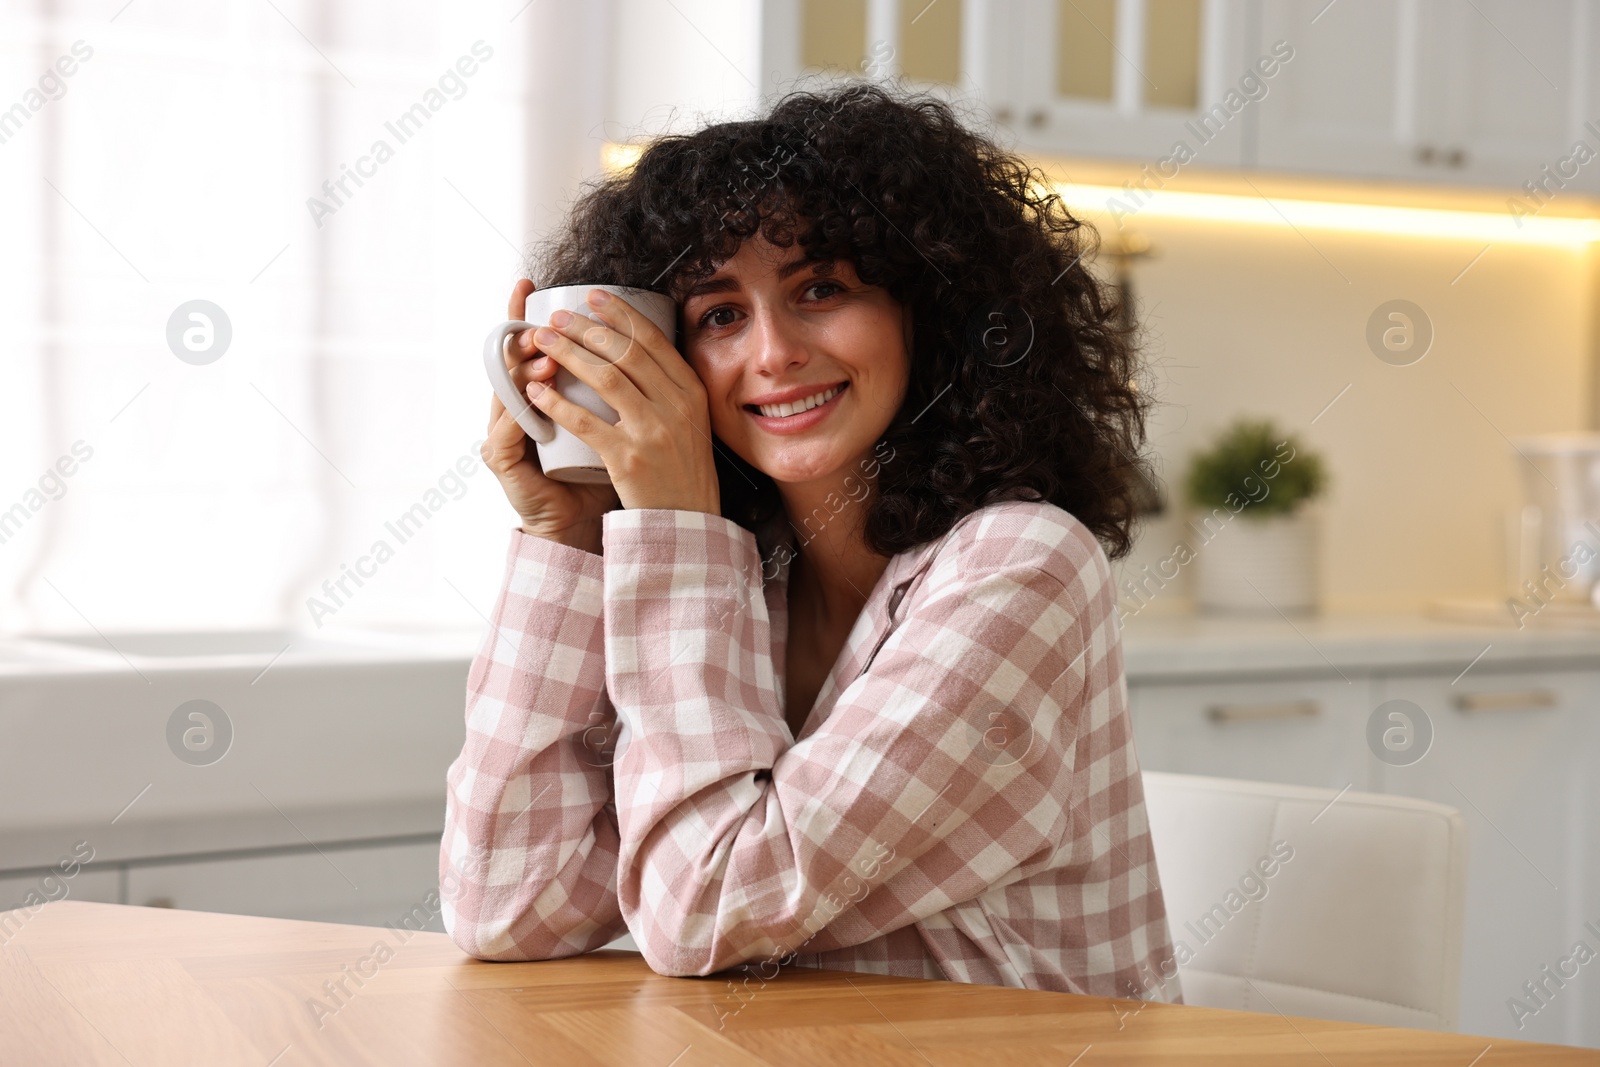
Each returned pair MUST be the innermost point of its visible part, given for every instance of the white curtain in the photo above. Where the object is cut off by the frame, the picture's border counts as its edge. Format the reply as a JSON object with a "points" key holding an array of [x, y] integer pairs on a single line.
{"points": [[354, 185]]}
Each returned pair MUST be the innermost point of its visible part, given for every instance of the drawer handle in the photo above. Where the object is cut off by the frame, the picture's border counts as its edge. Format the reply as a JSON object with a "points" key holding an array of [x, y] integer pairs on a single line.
{"points": [[1513, 701], [1288, 709]]}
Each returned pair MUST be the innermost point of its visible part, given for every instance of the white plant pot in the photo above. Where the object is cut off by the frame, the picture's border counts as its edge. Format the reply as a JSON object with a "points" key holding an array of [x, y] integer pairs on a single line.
{"points": [[1259, 566]]}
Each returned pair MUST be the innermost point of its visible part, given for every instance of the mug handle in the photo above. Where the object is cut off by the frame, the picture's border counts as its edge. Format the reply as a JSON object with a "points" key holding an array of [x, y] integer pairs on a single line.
{"points": [[535, 423]]}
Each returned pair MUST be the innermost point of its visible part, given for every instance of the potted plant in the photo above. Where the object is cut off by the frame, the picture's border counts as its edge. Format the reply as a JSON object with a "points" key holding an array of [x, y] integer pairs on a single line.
{"points": [[1255, 543]]}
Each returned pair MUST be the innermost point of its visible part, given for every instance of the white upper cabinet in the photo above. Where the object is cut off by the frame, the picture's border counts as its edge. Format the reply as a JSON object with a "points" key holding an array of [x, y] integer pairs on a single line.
{"points": [[1125, 78], [1475, 92], [1478, 92], [1129, 79], [1346, 101], [1509, 87]]}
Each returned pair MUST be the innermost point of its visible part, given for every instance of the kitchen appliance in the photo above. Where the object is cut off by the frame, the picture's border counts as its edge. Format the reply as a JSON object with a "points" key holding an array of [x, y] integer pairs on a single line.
{"points": [[1554, 540]]}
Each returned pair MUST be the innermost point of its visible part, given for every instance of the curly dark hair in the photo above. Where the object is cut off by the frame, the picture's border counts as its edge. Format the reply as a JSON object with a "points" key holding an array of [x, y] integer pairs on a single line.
{"points": [[1022, 366]]}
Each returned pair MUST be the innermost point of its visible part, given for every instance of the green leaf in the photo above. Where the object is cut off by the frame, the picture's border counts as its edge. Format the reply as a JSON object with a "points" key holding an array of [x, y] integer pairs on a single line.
{"points": [[1271, 472]]}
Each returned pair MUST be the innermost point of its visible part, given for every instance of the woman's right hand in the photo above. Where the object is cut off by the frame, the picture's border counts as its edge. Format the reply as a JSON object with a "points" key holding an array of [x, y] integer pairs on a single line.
{"points": [[557, 511]]}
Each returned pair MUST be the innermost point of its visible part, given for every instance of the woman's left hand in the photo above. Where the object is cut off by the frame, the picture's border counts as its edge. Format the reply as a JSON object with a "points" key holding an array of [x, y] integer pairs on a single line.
{"points": [[659, 453]]}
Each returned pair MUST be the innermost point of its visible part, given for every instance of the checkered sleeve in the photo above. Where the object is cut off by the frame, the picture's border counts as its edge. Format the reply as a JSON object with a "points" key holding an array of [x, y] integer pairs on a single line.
{"points": [[937, 777], [528, 861]]}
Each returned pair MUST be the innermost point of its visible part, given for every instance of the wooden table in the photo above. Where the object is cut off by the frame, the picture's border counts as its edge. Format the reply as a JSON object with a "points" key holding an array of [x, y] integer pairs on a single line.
{"points": [[107, 984]]}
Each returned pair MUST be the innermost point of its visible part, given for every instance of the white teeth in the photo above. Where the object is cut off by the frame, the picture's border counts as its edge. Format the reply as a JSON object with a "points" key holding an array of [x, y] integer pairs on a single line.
{"points": [[782, 410]]}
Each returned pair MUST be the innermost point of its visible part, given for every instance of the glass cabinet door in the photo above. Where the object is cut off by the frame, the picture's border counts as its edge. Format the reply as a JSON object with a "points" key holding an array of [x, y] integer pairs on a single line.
{"points": [[1133, 55], [934, 45], [1122, 78], [919, 39]]}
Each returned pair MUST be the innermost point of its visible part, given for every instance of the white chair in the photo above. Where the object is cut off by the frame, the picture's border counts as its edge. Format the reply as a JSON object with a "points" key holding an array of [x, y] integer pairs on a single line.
{"points": [[1359, 920]]}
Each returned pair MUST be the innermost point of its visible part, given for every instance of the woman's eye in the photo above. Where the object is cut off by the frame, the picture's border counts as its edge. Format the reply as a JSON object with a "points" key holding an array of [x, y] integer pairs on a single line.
{"points": [[722, 316], [834, 286]]}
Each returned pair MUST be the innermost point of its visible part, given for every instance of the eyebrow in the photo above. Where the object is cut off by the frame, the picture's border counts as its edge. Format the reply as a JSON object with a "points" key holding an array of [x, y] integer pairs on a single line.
{"points": [[728, 285]]}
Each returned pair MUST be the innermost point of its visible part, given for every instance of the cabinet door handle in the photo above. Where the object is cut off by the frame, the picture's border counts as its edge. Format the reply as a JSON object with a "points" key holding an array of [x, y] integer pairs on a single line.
{"points": [[1517, 700], [1288, 709]]}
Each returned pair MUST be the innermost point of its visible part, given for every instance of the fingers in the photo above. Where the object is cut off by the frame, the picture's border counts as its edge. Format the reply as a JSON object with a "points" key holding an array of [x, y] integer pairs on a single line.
{"points": [[495, 408], [497, 448], [518, 346], [507, 447], [596, 371], [618, 368], [524, 361], [525, 369], [588, 427], [597, 344], [519, 298], [634, 324], [504, 430], [519, 351]]}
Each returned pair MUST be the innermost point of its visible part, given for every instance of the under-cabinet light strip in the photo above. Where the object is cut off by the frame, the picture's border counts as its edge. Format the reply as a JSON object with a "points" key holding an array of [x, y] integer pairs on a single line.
{"points": [[1110, 208]]}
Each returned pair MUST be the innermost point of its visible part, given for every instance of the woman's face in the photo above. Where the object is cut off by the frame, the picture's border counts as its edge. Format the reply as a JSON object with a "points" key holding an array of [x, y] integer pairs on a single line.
{"points": [[770, 328]]}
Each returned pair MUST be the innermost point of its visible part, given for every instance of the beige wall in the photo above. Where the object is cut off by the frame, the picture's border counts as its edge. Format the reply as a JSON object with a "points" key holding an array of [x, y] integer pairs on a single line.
{"points": [[1252, 319]]}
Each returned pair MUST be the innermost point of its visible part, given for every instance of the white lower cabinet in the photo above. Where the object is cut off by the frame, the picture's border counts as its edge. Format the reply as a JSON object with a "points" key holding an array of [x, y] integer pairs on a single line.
{"points": [[1515, 751], [24, 890], [1298, 731], [382, 883], [364, 885]]}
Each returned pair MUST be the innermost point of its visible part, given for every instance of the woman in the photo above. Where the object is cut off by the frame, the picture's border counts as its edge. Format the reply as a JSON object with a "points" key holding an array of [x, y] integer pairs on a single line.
{"points": [[840, 681]]}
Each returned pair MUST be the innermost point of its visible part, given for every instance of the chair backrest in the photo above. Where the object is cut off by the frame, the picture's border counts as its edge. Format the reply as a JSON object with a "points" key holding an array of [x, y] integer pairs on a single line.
{"points": [[1311, 902]]}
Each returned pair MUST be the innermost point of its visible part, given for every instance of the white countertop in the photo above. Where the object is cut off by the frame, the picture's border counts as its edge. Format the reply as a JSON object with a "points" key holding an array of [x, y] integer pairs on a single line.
{"points": [[1173, 648], [75, 654], [1156, 647]]}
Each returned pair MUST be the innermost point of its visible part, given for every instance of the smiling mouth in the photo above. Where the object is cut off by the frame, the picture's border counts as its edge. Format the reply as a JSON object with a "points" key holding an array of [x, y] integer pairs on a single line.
{"points": [[779, 411]]}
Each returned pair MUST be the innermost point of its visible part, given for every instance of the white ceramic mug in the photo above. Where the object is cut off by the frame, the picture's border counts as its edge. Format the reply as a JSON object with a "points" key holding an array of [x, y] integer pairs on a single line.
{"points": [[563, 456]]}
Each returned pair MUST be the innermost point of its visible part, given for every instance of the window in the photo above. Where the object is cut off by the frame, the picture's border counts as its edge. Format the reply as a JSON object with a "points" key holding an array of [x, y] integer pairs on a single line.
{"points": [[346, 188]]}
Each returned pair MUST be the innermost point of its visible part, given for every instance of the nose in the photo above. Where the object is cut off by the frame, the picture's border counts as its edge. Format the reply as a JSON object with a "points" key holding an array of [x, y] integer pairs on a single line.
{"points": [[779, 345]]}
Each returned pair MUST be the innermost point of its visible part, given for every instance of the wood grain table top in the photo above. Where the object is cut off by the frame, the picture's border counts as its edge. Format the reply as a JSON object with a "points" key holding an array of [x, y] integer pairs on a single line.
{"points": [[109, 984]]}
